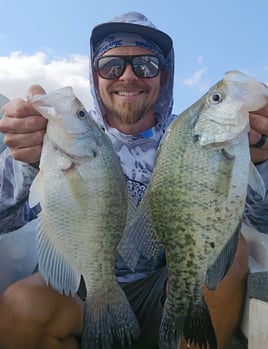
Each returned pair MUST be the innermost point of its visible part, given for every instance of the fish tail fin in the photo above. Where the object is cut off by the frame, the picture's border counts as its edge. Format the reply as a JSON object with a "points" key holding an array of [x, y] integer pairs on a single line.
{"points": [[170, 331], [198, 328], [195, 326], [109, 319]]}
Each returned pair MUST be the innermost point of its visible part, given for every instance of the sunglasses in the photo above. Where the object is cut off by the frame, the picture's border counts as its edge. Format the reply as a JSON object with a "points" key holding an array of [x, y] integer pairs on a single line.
{"points": [[143, 66]]}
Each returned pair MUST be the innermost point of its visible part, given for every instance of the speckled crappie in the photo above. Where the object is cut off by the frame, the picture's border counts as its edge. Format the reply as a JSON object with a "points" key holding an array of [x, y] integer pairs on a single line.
{"points": [[84, 203], [194, 203]]}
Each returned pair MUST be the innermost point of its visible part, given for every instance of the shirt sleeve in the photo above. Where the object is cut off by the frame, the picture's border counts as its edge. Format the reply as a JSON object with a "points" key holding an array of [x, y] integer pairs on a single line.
{"points": [[256, 209], [15, 180]]}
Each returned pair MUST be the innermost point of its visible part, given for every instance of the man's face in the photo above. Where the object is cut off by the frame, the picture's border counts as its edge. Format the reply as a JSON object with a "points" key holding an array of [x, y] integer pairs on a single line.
{"points": [[129, 99]]}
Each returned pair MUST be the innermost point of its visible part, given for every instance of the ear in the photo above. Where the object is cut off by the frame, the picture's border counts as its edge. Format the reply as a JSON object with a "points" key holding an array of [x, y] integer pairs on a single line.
{"points": [[163, 77]]}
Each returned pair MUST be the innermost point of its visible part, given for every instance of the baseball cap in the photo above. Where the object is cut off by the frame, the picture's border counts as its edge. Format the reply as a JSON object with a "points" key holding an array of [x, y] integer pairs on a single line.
{"points": [[130, 23]]}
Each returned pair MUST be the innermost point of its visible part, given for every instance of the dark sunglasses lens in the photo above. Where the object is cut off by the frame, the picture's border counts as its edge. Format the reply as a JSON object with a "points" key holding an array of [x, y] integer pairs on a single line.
{"points": [[110, 67], [146, 66]]}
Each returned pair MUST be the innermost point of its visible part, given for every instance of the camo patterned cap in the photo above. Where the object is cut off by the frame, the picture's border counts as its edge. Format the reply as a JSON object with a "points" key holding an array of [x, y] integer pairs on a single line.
{"points": [[126, 39]]}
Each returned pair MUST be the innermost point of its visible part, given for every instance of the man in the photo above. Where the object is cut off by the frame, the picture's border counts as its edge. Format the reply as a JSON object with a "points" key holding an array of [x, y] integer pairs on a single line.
{"points": [[133, 96]]}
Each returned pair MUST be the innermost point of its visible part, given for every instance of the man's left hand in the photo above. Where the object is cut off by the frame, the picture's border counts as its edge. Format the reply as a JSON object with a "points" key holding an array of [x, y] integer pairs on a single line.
{"points": [[258, 135]]}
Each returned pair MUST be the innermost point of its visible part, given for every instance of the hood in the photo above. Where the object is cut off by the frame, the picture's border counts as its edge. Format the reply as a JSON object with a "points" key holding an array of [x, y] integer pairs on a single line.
{"points": [[135, 22]]}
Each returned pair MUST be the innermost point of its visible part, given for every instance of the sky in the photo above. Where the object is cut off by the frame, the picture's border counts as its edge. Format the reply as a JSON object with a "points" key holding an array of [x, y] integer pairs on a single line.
{"points": [[46, 42]]}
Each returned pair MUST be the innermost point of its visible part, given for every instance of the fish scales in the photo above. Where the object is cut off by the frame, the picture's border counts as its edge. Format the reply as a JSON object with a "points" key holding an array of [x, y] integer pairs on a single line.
{"points": [[84, 202], [194, 203]]}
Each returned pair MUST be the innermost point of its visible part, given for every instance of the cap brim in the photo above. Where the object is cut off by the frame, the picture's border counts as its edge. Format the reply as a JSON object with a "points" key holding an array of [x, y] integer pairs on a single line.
{"points": [[155, 35]]}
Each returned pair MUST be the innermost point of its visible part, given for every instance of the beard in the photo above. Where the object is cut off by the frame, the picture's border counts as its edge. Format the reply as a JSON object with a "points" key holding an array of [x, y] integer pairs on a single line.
{"points": [[127, 113]]}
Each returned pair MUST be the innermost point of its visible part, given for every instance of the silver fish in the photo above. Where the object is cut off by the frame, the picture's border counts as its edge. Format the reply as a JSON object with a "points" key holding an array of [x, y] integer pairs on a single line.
{"points": [[84, 202], [194, 203]]}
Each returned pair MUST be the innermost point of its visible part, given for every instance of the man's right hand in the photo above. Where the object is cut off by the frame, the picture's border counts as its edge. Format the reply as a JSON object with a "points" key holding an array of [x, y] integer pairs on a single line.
{"points": [[24, 128]]}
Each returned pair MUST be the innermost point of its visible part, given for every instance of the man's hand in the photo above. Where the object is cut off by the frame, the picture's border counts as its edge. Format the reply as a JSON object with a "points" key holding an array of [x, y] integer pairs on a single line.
{"points": [[24, 128], [259, 129]]}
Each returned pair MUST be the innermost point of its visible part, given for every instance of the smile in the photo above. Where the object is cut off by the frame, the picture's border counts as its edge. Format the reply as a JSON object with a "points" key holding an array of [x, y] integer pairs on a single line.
{"points": [[127, 94]]}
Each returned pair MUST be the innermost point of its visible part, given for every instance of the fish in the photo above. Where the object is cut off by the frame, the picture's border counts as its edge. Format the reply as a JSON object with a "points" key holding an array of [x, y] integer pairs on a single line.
{"points": [[194, 204], [84, 203]]}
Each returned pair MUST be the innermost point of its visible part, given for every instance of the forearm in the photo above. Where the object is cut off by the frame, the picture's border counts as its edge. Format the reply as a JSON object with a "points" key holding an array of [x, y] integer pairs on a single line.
{"points": [[15, 181], [256, 211]]}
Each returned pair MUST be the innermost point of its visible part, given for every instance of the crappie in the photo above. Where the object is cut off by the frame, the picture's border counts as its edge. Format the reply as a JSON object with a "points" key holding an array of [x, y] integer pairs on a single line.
{"points": [[194, 203], [84, 202]]}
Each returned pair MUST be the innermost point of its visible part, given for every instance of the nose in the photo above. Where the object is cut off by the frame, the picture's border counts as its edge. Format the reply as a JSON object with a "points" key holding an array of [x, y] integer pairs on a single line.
{"points": [[128, 73]]}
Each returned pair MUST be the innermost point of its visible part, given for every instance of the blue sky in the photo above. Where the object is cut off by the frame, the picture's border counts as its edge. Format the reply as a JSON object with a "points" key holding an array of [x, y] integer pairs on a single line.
{"points": [[47, 42]]}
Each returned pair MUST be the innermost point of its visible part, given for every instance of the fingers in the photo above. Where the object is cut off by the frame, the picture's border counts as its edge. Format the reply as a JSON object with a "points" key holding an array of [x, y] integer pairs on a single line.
{"points": [[18, 123], [24, 128], [259, 122], [258, 135], [259, 129], [35, 90], [26, 147]]}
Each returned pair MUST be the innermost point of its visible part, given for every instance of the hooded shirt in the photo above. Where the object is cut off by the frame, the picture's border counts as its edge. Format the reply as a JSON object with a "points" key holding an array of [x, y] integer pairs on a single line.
{"points": [[137, 152], [137, 155]]}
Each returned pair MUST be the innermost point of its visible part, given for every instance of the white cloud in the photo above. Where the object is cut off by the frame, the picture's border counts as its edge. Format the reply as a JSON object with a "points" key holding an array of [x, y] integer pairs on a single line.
{"points": [[18, 71], [195, 78]]}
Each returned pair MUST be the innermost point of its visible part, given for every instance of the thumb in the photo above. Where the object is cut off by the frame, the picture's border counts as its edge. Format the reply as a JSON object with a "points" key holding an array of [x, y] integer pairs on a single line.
{"points": [[35, 90]]}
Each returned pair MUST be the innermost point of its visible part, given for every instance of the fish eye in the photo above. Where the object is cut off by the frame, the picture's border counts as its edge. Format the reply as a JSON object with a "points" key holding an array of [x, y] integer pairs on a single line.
{"points": [[82, 114], [215, 98]]}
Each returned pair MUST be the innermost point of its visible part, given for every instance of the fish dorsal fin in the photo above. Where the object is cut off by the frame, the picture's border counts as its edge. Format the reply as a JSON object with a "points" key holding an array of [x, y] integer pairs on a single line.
{"points": [[139, 237]]}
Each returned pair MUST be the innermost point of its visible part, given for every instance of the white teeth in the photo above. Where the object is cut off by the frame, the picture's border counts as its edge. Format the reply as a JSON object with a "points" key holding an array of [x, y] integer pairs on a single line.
{"points": [[122, 93]]}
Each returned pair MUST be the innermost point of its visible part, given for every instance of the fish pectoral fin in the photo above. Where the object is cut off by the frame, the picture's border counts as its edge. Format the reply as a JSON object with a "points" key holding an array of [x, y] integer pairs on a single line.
{"points": [[217, 271], [36, 190], [223, 177], [256, 182], [77, 185]]}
